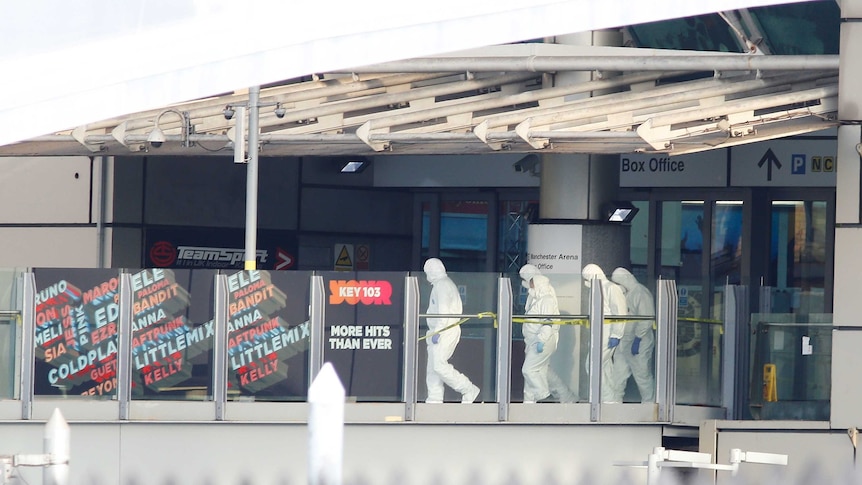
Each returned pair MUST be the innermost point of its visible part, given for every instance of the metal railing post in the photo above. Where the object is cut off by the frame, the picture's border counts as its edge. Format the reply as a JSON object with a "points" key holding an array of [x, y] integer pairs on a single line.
{"points": [[504, 347], [124, 347], [411, 345], [597, 318], [316, 317], [28, 342], [220, 347]]}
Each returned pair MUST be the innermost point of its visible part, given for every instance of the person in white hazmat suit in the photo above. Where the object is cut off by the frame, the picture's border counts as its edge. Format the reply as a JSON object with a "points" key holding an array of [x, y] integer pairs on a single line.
{"points": [[614, 368], [540, 341], [445, 300], [638, 339]]}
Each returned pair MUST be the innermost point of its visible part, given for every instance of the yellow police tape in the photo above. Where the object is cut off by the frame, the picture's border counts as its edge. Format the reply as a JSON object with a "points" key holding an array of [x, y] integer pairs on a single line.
{"points": [[564, 321]]}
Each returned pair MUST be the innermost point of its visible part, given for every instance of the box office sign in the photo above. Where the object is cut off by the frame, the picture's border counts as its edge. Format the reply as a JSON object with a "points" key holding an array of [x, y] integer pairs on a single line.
{"points": [[364, 332]]}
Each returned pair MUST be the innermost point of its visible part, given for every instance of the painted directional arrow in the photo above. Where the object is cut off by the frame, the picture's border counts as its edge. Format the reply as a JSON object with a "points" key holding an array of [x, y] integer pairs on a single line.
{"points": [[769, 159]]}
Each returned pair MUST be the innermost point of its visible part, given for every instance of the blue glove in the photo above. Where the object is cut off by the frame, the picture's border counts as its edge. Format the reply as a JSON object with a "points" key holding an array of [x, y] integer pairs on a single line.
{"points": [[636, 346], [435, 338], [540, 347], [613, 342]]}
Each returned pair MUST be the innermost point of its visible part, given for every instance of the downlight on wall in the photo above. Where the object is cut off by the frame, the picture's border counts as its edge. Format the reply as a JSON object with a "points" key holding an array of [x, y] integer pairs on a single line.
{"points": [[354, 166], [619, 212]]}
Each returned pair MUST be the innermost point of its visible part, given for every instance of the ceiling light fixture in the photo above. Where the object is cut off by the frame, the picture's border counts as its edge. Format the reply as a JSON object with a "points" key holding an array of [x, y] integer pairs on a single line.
{"points": [[354, 166]]}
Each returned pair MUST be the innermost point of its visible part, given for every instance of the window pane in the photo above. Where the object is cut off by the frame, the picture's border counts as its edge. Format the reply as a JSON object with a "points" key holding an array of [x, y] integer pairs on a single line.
{"points": [[464, 234], [475, 353], [364, 332], [77, 316], [798, 256], [172, 333], [10, 335], [268, 334]]}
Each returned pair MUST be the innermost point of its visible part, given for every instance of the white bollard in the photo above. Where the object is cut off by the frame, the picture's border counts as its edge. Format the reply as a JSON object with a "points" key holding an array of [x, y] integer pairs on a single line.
{"points": [[325, 428], [57, 446]]}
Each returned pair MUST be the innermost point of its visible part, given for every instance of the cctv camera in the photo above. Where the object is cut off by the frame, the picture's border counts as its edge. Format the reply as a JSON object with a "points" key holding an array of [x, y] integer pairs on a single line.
{"points": [[228, 112], [156, 138], [526, 164], [279, 111]]}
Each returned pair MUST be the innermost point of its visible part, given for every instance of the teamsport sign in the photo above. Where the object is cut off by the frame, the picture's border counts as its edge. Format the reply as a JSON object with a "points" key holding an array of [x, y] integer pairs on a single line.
{"points": [[217, 248], [364, 332]]}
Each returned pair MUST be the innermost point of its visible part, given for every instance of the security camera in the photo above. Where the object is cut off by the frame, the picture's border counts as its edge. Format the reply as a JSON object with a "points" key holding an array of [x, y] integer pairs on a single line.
{"points": [[228, 112], [527, 164], [279, 111], [156, 138]]}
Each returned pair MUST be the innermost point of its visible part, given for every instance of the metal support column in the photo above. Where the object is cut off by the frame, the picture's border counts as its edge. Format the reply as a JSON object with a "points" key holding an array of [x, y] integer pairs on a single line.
{"points": [[251, 179]]}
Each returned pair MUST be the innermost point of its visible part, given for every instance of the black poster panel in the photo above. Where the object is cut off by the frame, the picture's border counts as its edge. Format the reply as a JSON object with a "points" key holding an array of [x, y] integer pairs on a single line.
{"points": [[364, 332], [219, 248], [268, 335], [172, 333], [77, 315]]}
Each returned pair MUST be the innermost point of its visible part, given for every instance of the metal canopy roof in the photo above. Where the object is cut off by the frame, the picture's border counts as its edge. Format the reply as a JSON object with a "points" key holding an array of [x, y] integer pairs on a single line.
{"points": [[495, 99]]}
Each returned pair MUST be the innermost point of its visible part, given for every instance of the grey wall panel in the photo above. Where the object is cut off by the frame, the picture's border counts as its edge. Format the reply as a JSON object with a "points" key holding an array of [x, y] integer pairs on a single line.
{"points": [[846, 394], [848, 305], [229, 453], [451, 171], [126, 183], [356, 211], [830, 453], [37, 190], [61, 247], [386, 254], [125, 247], [211, 191]]}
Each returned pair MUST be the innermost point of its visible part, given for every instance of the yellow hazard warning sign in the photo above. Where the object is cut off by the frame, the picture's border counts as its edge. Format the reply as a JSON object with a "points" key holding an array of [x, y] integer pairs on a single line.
{"points": [[343, 257]]}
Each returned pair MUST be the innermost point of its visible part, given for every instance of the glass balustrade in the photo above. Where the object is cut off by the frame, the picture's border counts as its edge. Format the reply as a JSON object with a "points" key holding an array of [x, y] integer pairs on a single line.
{"points": [[175, 317]]}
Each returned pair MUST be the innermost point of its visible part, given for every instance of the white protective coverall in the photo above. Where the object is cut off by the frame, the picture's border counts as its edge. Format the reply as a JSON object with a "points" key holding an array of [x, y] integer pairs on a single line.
{"points": [[614, 369], [446, 300], [540, 380], [639, 339]]}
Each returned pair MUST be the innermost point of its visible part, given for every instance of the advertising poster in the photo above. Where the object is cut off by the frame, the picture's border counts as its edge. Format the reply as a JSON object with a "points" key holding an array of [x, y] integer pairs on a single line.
{"points": [[216, 248], [364, 332], [268, 335], [172, 333], [77, 314]]}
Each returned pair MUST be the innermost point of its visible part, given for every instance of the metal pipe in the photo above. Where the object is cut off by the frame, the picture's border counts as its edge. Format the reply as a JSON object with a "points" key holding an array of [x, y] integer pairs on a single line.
{"points": [[403, 97], [251, 179], [662, 96], [725, 62]]}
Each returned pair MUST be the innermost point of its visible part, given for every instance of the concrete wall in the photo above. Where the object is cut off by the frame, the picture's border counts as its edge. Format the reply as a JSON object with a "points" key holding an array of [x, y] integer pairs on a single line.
{"points": [[231, 453], [816, 453]]}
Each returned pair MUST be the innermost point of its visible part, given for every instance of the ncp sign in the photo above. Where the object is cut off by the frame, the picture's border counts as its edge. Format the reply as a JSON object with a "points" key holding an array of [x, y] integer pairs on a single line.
{"points": [[705, 169]]}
